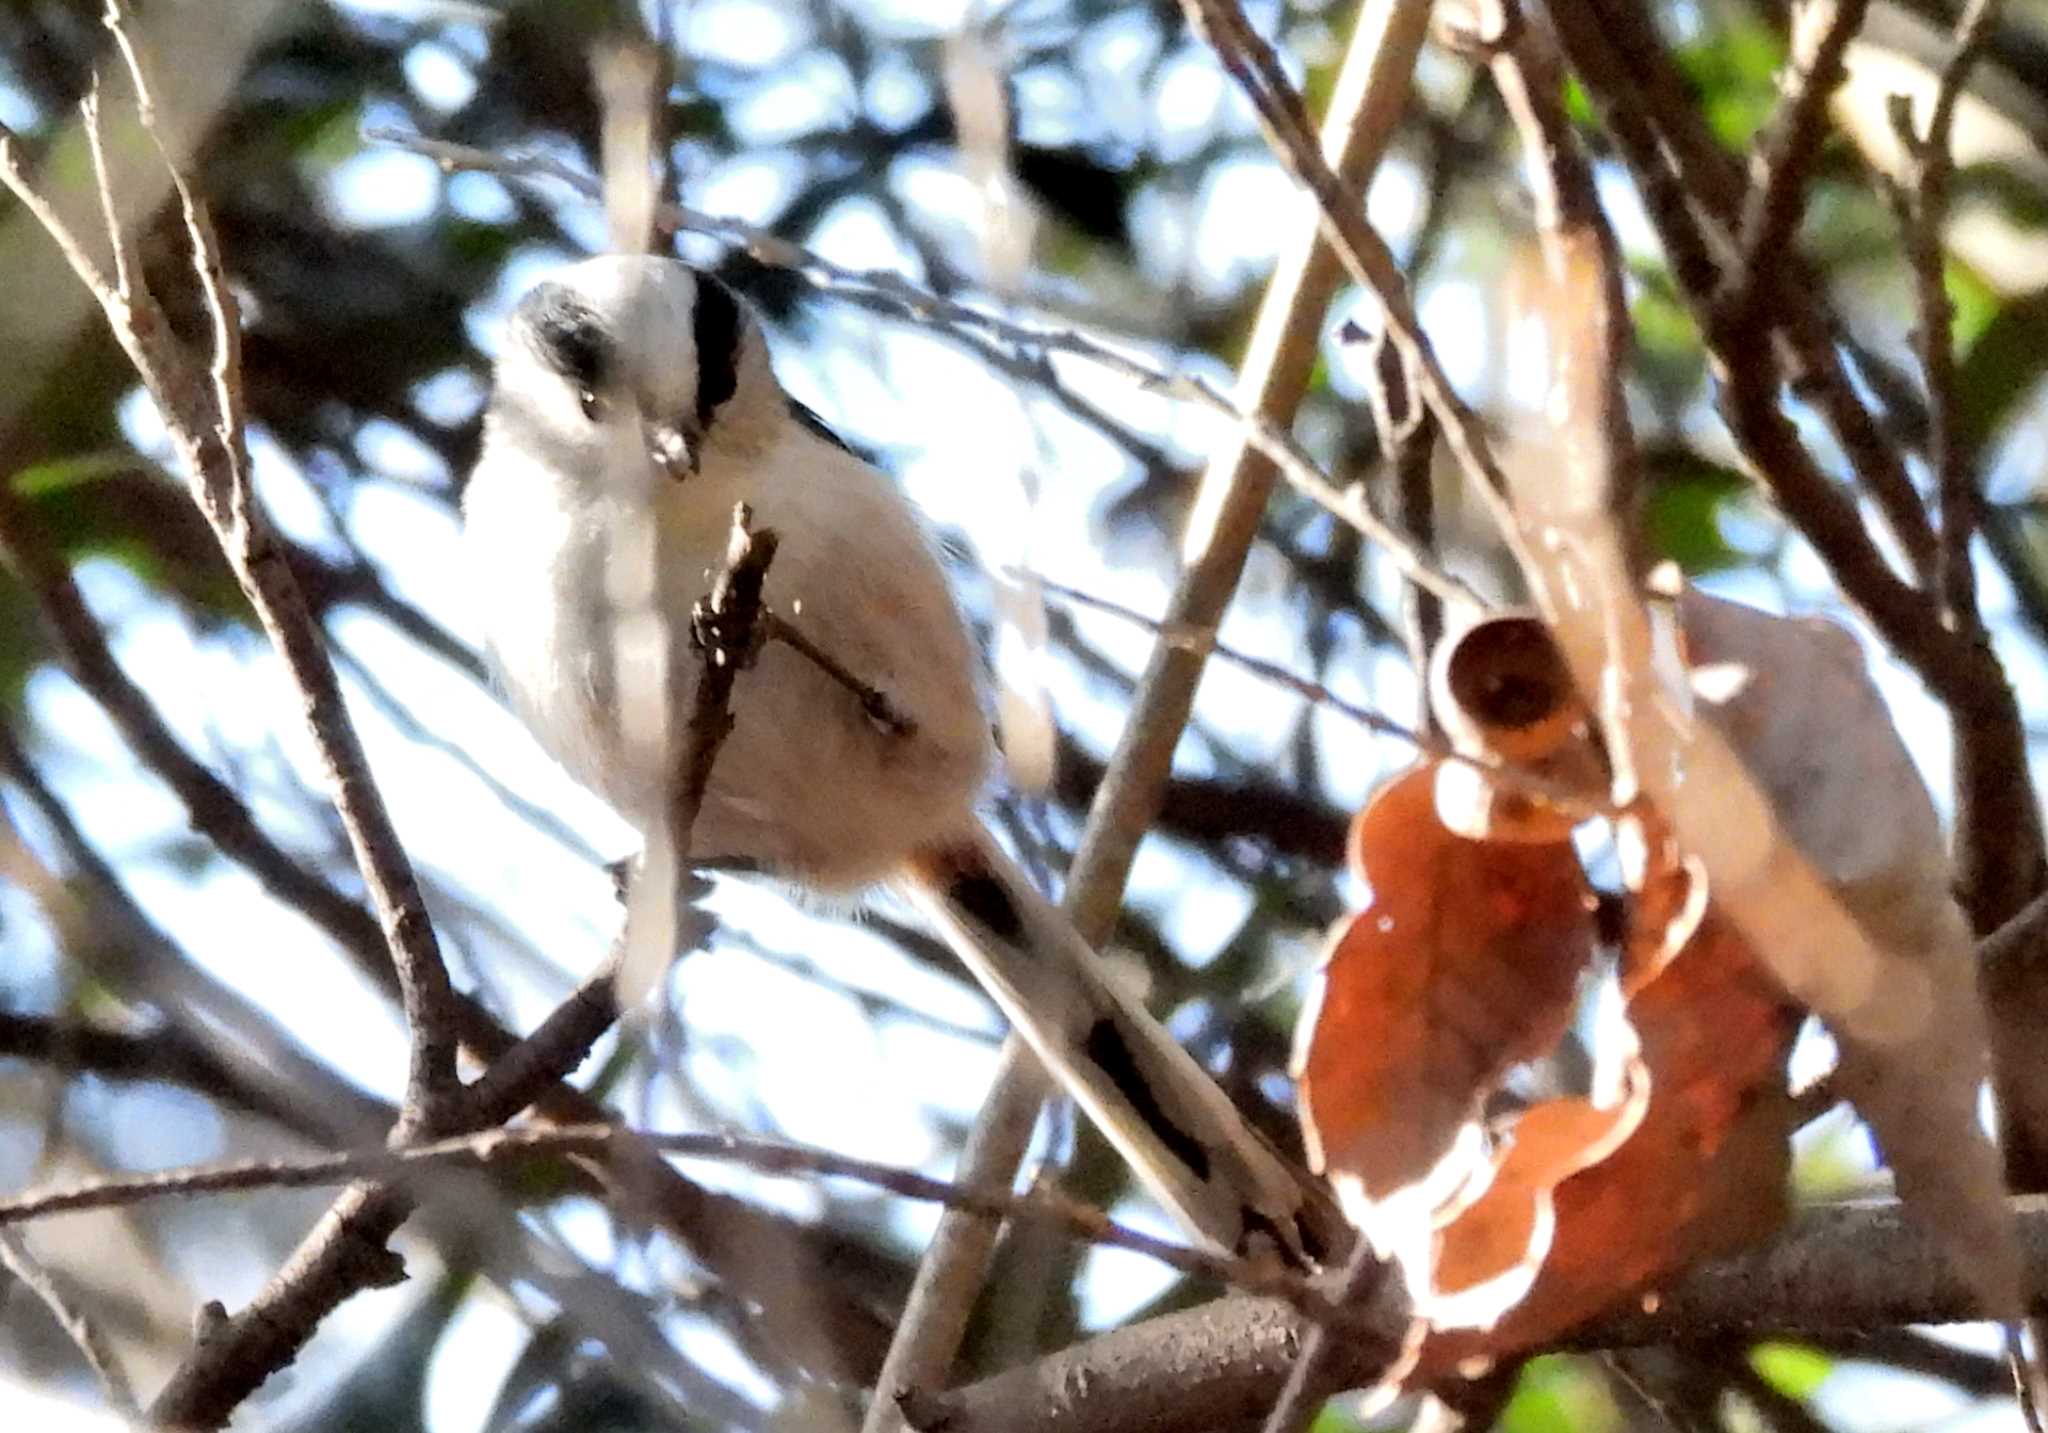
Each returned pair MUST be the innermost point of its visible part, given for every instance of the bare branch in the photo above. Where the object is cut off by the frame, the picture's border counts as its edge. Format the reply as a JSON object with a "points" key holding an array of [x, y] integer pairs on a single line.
{"points": [[1266, 435], [1362, 117], [1612, 49], [198, 397], [1365, 110], [1341, 211], [83, 1333], [346, 1251], [1408, 435], [1686, 180], [1770, 219], [400, 1166], [1840, 1270], [1921, 198]]}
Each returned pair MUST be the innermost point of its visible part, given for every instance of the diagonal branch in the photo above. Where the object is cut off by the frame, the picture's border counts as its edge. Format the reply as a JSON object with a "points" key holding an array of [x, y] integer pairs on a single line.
{"points": [[1265, 434], [1340, 210], [1365, 110], [198, 395], [1838, 1271], [346, 1251], [84, 1334]]}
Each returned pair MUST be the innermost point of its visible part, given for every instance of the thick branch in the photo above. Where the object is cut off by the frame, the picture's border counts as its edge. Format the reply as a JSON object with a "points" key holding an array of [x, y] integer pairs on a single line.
{"points": [[1838, 1271]]}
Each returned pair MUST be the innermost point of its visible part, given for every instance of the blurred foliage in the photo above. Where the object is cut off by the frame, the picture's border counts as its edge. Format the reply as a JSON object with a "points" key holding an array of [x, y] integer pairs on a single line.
{"points": [[369, 280], [1794, 1371], [1561, 1394]]}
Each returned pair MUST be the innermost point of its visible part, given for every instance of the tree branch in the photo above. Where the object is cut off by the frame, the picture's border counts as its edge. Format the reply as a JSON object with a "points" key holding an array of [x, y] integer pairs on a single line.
{"points": [[83, 1333], [1268, 437], [409, 1167], [1837, 1271], [1365, 111]]}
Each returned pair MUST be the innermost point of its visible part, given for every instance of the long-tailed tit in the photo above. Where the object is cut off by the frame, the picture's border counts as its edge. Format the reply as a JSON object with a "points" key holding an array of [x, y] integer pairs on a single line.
{"points": [[630, 385]]}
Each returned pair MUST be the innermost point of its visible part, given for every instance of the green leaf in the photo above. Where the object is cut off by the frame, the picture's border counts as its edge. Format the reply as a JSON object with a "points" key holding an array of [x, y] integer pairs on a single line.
{"points": [[1577, 107], [1670, 360], [116, 504], [1684, 499], [1793, 1369], [485, 245], [1735, 71], [1337, 1417], [2000, 368], [324, 135], [1975, 304], [62, 473], [1560, 1394]]}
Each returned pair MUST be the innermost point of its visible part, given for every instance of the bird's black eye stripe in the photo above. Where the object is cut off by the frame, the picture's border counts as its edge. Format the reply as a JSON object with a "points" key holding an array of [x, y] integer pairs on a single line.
{"points": [[818, 426], [570, 335], [717, 332]]}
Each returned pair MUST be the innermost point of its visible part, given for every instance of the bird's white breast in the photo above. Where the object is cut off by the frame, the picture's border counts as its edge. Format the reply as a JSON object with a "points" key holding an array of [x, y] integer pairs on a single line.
{"points": [[806, 783]]}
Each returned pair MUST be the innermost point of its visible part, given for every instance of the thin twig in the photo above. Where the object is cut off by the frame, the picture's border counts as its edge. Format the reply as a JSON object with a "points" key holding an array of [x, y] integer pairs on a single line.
{"points": [[1428, 743], [1642, 89], [1270, 438], [84, 1334], [217, 812], [1407, 434], [727, 630], [1650, 140], [873, 700], [346, 1251], [1203, 639], [198, 398], [1321, 1370], [1686, 179], [401, 1164], [1340, 209], [1998, 844], [232, 1363], [1922, 200], [1365, 110], [198, 395], [1771, 214]]}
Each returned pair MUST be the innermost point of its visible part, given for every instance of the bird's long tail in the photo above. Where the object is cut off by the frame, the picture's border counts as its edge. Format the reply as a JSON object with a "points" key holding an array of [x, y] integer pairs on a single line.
{"points": [[1147, 1095]]}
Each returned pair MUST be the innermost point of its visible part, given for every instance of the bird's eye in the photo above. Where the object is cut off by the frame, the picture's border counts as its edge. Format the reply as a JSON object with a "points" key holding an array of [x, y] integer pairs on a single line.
{"points": [[570, 338]]}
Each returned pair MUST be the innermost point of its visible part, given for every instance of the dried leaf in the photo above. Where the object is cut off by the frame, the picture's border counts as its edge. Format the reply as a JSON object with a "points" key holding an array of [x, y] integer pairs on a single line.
{"points": [[1813, 728], [1465, 962], [1846, 902], [1703, 1173], [1489, 1257]]}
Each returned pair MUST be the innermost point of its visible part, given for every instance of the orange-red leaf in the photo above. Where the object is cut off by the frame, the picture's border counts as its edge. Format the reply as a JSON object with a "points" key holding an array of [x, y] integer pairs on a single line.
{"points": [[1465, 962], [1702, 1175], [1489, 1256]]}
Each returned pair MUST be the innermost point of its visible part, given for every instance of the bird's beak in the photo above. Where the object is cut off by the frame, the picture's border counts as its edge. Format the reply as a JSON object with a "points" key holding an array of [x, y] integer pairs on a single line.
{"points": [[673, 448]]}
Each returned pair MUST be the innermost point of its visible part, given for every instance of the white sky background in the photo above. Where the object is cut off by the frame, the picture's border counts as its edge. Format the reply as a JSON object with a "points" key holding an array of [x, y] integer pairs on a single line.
{"points": [[768, 1047]]}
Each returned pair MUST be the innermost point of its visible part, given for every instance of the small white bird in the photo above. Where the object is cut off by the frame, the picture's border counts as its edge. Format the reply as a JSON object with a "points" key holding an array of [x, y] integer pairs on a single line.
{"points": [[631, 385]]}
